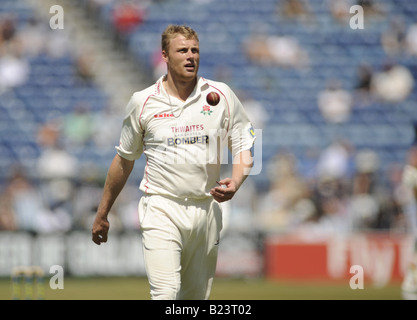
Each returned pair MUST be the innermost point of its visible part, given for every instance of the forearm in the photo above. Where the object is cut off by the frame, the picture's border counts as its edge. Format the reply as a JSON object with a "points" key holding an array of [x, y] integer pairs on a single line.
{"points": [[117, 176], [242, 164]]}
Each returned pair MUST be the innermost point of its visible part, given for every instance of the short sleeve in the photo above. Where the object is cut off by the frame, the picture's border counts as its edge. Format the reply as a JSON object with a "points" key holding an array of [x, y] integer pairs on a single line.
{"points": [[131, 138]]}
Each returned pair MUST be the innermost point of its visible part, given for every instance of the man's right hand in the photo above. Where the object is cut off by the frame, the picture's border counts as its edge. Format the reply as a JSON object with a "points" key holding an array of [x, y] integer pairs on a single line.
{"points": [[100, 230]]}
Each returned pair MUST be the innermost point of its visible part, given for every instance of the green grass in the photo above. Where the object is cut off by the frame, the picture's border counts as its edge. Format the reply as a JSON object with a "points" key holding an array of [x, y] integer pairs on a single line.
{"points": [[131, 288]]}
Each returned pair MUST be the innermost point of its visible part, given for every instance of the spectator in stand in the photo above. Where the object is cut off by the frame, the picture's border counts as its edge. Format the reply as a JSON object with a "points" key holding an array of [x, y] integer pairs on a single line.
{"points": [[362, 87], [7, 29], [411, 40], [364, 206], [23, 207], [330, 192], [48, 134], [102, 136], [336, 160], [339, 10], [88, 193], [127, 16], [32, 37], [8, 218], [334, 102], [76, 127], [393, 84], [372, 8], [57, 172], [393, 38], [21, 201], [297, 10], [14, 69], [56, 163], [84, 67], [330, 199], [284, 51], [394, 197], [94, 7], [256, 49], [278, 206]]}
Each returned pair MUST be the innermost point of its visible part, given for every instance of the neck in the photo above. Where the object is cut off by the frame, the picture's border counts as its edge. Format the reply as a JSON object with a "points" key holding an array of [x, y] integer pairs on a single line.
{"points": [[179, 89]]}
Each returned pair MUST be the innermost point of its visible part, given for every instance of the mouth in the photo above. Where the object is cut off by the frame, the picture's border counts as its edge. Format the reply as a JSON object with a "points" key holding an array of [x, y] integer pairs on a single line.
{"points": [[190, 67]]}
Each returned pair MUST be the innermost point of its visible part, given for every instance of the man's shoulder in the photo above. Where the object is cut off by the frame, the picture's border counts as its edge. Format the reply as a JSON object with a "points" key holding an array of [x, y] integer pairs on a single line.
{"points": [[216, 84]]}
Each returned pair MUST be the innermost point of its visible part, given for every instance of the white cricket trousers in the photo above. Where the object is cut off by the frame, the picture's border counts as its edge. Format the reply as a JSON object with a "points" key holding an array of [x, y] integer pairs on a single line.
{"points": [[180, 243]]}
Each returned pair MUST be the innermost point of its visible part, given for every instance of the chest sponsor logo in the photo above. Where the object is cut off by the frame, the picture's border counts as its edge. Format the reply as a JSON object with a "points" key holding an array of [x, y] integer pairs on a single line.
{"points": [[188, 140], [163, 115], [189, 128]]}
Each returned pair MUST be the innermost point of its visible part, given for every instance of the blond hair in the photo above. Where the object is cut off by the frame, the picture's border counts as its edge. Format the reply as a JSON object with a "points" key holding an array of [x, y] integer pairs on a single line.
{"points": [[173, 30]]}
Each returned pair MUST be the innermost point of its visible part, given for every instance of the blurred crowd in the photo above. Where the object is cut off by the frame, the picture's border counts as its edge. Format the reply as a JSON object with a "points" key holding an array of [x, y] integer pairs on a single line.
{"points": [[53, 195], [334, 190]]}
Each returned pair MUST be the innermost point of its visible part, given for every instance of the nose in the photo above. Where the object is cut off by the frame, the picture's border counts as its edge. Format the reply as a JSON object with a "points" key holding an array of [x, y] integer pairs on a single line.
{"points": [[190, 55]]}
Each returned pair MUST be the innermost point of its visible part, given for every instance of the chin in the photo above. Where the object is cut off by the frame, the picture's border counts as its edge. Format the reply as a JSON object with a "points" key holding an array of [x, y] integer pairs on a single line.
{"points": [[190, 76]]}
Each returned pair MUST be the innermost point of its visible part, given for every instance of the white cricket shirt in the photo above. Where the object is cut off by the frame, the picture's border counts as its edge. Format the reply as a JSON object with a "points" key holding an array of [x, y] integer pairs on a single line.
{"points": [[182, 141]]}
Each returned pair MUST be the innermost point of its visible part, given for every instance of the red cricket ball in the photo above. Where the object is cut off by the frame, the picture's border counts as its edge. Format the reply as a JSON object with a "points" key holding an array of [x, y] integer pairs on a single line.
{"points": [[213, 98]]}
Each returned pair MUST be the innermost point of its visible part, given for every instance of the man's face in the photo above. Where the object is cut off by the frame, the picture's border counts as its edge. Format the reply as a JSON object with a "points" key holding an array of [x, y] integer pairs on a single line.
{"points": [[182, 58]]}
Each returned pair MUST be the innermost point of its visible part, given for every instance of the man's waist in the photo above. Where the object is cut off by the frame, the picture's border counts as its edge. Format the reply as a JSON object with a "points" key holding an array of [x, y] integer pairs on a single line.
{"points": [[181, 198]]}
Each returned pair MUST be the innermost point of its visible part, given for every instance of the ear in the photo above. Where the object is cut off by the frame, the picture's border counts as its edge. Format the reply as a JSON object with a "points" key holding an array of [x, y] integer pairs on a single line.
{"points": [[165, 56]]}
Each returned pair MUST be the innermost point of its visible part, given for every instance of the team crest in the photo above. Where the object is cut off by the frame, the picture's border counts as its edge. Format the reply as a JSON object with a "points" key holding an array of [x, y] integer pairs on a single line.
{"points": [[206, 110]]}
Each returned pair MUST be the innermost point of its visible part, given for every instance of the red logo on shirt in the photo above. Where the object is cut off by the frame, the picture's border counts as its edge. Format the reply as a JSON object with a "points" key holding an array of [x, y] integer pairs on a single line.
{"points": [[206, 110], [163, 115]]}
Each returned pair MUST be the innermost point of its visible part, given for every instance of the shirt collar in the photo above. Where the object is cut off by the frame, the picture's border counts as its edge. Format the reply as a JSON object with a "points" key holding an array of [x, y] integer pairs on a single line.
{"points": [[200, 86]]}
